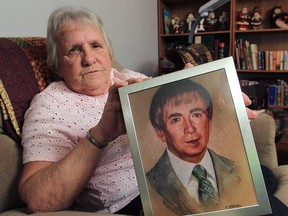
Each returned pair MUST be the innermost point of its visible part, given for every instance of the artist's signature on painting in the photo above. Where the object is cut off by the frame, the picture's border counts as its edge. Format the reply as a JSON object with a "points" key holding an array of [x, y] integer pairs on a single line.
{"points": [[233, 206]]}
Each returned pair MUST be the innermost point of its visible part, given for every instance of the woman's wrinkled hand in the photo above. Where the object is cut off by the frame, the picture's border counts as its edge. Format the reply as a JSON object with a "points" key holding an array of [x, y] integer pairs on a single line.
{"points": [[111, 124]]}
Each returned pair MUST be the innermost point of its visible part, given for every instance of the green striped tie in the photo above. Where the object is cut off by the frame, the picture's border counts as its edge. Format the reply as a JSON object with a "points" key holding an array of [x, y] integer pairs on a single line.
{"points": [[207, 193]]}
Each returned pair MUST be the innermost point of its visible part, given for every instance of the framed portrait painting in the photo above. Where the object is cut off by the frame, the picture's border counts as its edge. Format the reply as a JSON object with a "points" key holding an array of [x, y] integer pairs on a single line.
{"points": [[192, 145]]}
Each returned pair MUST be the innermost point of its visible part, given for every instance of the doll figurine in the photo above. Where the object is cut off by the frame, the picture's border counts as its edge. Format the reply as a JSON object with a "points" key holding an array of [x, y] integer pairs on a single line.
{"points": [[190, 19], [177, 25], [224, 20], [243, 19], [200, 26], [210, 22], [256, 20]]}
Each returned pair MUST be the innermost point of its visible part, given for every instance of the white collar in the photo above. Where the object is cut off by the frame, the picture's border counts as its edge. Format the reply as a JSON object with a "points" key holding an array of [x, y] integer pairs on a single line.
{"points": [[183, 169]]}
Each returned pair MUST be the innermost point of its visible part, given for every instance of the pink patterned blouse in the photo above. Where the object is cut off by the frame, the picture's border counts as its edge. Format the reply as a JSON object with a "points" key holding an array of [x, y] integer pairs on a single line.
{"points": [[57, 120]]}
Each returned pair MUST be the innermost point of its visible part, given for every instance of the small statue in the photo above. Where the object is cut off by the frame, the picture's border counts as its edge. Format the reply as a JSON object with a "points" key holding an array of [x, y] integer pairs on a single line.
{"points": [[200, 26], [210, 22], [176, 25], [190, 19], [256, 20], [279, 18], [243, 19], [224, 21]]}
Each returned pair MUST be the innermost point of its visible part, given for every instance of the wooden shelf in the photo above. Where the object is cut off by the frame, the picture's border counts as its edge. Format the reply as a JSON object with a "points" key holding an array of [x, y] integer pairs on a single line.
{"points": [[268, 38], [271, 30], [198, 33], [262, 71], [278, 106]]}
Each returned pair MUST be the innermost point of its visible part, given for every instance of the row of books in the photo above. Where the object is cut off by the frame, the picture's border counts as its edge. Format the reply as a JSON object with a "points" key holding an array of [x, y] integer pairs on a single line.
{"points": [[248, 57], [244, 83], [278, 94]]}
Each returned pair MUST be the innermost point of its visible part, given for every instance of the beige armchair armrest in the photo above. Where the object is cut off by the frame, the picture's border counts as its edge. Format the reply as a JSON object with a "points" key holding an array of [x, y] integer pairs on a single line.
{"points": [[264, 130]]}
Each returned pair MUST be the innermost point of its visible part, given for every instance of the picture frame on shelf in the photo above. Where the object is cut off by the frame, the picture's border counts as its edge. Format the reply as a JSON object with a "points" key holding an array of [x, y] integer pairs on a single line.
{"points": [[167, 20], [229, 135]]}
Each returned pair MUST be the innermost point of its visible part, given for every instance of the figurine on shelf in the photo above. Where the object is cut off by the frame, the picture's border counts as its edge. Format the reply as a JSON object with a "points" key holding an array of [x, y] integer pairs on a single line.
{"points": [[200, 26], [224, 21], [256, 20], [243, 19], [176, 25], [190, 19], [210, 22], [279, 18]]}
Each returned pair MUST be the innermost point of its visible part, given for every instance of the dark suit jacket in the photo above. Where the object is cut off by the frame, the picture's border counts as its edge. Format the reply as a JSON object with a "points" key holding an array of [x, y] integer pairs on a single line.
{"points": [[164, 180]]}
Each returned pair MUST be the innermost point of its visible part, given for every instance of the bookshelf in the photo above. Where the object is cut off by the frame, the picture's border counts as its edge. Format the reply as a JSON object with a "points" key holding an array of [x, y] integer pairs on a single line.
{"points": [[267, 38]]}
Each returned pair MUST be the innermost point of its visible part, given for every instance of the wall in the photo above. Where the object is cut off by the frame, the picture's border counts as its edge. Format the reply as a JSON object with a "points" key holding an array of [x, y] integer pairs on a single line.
{"points": [[130, 24]]}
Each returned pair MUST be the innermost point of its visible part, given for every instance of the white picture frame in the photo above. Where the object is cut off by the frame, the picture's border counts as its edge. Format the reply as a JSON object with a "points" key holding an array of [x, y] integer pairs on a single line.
{"points": [[231, 137]]}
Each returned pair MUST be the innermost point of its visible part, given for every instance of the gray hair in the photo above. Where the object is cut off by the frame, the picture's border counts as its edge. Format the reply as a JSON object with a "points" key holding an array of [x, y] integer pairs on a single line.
{"points": [[66, 15]]}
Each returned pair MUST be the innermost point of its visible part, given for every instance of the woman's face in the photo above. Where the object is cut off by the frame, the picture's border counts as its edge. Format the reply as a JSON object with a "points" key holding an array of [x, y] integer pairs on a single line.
{"points": [[84, 59]]}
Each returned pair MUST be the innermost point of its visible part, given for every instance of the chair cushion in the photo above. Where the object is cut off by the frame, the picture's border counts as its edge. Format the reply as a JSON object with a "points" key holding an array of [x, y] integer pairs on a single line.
{"points": [[10, 171], [281, 174], [264, 130], [23, 73]]}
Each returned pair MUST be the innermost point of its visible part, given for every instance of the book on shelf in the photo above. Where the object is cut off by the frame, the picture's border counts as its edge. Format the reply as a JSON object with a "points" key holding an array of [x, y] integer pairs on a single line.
{"points": [[254, 56], [278, 60], [237, 56], [249, 57], [261, 60], [272, 95], [266, 56], [278, 94]]}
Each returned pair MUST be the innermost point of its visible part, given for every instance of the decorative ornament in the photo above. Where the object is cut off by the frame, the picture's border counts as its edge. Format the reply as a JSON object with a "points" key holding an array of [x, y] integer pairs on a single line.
{"points": [[279, 18], [243, 19]]}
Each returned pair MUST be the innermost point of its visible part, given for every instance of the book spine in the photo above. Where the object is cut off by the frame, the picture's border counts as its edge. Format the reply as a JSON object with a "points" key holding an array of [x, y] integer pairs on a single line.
{"points": [[274, 57], [248, 56], [236, 55], [285, 60], [278, 59], [286, 95], [270, 60], [254, 56], [272, 95], [266, 60], [281, 60], [262, 60]]}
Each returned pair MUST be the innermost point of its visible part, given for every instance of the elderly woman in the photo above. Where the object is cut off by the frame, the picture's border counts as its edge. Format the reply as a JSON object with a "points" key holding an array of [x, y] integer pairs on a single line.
{"points": [[74, 151]]}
